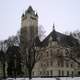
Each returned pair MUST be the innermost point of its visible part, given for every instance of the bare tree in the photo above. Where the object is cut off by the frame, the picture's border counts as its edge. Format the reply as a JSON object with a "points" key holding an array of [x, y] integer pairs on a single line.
{"points": [[13, 40], [4, 45], [3, 61], [14, 61], [41, 32], [3, 57], [29, 50]]}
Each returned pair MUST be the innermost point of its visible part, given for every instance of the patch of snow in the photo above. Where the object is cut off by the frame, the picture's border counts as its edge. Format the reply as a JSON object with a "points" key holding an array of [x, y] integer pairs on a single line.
{"points": [[61, 78]]}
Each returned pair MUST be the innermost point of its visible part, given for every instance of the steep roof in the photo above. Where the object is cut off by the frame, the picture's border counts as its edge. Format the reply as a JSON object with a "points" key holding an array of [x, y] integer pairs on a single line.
{"points": [[29, 10], [62, 39]]}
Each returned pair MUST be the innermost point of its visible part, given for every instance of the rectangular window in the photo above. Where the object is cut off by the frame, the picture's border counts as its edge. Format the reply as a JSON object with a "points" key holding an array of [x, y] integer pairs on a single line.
{"points": [[40, 72], [47, 53], [67, 73], [62, 64], [51, 72], [41, 64], [72, 73], [62, 73], [71, 65], [59, 72], [67, 65], [51, 63], [33, 73], [58, 63], [47, 73], [47, 64], [51, 52]]}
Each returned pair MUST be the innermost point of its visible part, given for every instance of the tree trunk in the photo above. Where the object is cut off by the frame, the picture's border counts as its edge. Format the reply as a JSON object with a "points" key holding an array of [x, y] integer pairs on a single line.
{"points": [[4, 74], [30, 74]]}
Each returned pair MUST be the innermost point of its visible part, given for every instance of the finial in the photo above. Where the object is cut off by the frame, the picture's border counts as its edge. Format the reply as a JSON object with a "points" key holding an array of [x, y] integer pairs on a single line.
{"points": [[53, 27], [23, 15], [36, 14]]}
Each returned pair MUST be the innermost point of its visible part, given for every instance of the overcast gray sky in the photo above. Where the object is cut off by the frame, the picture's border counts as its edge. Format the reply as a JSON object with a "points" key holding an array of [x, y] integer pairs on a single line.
{"points": [[65, 14]]}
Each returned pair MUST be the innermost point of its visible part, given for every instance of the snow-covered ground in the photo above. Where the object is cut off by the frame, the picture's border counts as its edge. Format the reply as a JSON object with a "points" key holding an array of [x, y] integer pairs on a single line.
{"points": [[61, 78]]}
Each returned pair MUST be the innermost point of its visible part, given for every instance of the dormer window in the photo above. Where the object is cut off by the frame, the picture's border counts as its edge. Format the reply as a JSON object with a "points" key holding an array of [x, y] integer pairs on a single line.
{"points": [[50, 39]]}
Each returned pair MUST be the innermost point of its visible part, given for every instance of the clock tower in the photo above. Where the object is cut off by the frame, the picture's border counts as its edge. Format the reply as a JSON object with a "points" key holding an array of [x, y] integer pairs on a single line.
{"points": [[29, 25]]}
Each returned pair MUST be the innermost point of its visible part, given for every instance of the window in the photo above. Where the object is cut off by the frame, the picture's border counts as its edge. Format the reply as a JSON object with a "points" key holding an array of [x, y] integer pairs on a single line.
{"points": [[67, 65], [62, 73], [33, 73], [47, 73], [40, 72], [47, 53], [47, 64], [59, 72], [74, 34], [41, 64], [58, 63], [51, 72], [67, 73], [71, 65], [51, 63], [79, 73], [79, 35], [62, 64], [72, 73], [51, 52]]}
